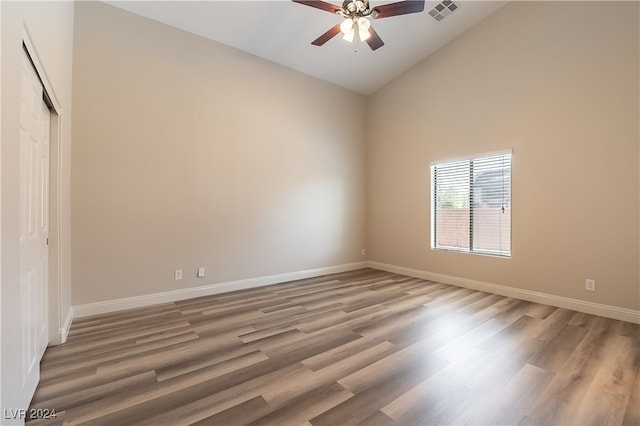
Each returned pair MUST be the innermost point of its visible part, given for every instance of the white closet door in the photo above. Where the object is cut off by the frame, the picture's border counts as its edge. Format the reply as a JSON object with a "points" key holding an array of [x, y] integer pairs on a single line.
{"points": [[34, 225]]}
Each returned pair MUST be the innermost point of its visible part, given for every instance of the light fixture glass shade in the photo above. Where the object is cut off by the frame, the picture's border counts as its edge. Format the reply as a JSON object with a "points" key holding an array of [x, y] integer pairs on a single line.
{"points": [[347, 26], [363, 25]]}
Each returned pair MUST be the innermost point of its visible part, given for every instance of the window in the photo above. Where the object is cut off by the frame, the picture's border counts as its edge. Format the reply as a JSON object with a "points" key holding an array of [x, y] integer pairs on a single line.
{"points": [[471, 204]]}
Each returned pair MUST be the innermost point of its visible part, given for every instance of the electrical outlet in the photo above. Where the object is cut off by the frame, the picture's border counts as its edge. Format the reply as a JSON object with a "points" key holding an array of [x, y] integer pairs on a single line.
{"points": [[590, 285], [200, 272], [177, 274], [363, 252]]}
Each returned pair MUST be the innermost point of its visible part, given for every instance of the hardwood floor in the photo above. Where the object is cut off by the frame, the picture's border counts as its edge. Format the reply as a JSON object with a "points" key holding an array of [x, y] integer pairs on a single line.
{"points": [[364, 347]]}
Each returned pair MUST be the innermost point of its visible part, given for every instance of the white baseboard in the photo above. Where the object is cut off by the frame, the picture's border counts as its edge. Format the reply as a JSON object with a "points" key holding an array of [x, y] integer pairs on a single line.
{"points": [[64, 329], [207, 290], [608, 311]]}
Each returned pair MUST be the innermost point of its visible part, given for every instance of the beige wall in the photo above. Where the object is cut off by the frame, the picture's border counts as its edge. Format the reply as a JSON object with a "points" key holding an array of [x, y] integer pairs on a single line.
{"points": [[557, 83], [188, 153], [50, 28]]}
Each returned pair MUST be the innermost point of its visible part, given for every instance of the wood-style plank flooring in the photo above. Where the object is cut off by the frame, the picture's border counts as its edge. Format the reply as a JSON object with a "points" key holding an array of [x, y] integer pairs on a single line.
{"points": [[364, 347]]}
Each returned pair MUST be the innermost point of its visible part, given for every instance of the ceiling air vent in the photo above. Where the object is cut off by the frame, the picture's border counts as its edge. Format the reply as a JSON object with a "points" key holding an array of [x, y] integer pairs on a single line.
{"points": [[443, 9]]}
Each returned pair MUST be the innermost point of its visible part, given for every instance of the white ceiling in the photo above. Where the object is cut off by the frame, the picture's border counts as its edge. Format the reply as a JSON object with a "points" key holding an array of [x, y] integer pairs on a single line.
{"points": [[281, 31]]}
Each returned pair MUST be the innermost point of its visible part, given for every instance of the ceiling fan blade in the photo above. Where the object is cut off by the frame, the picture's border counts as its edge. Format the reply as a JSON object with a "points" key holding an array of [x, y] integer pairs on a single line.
{"points": [[398, 8], [322, 5], [374, 42], [333, 31]]}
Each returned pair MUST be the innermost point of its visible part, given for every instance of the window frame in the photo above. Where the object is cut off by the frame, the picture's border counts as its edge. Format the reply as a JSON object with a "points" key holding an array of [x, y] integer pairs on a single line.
{"points": [[433, 207]]}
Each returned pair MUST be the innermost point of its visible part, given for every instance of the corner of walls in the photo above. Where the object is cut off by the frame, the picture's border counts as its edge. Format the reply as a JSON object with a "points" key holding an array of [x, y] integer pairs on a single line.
{"points": [[63, 332]]}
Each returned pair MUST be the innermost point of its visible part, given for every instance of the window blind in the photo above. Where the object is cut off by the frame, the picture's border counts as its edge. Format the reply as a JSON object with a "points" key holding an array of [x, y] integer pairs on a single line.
{"points": [[471, 204]]}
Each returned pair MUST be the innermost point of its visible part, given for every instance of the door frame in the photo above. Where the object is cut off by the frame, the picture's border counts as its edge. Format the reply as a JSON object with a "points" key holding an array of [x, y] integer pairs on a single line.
{"points": [[57, 325]]}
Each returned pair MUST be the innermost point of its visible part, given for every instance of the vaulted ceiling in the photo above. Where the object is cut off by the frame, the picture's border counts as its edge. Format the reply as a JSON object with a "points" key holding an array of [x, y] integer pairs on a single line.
{"points": [[281, 31]]}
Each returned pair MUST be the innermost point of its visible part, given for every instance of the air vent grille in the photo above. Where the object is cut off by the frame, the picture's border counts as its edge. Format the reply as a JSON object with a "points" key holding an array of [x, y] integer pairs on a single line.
{"points": [[443, 9]]}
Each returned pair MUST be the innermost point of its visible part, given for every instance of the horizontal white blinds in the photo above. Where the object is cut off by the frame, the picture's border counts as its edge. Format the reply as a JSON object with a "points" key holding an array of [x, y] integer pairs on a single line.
{"points": [[471, 201]]}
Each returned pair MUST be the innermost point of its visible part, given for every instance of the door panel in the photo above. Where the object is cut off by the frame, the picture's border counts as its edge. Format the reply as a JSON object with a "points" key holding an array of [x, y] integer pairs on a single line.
{"points": [[34, 224]]}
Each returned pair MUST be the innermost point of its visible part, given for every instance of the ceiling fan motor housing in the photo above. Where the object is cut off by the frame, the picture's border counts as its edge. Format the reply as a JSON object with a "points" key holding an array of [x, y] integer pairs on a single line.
{"points": [[355, 8]]}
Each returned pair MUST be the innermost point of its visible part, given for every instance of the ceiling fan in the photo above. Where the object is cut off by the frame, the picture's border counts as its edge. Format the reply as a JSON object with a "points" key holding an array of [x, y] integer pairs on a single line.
{"points": [[356, 24]]}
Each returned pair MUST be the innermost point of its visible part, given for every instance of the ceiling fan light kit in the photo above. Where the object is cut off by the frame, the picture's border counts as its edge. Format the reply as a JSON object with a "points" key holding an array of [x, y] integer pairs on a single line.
{"points": [[351, 26], [356, 13]]}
